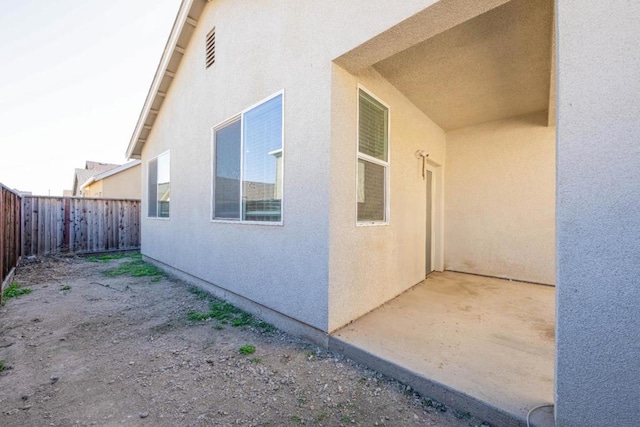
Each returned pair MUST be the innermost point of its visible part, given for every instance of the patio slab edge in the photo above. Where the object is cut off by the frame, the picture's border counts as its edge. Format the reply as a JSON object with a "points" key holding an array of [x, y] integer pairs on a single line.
{"points": [[434, 389]]}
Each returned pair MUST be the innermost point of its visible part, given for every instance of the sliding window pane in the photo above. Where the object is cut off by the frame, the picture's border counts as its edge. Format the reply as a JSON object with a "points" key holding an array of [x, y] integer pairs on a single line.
{"points": [[262, 172], [227, 167], [164, 185], [152, 189], [371, 191]]}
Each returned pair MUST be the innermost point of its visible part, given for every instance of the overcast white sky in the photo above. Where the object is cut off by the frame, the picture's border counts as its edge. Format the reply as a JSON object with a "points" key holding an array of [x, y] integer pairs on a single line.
{"points": [[73, 78]]}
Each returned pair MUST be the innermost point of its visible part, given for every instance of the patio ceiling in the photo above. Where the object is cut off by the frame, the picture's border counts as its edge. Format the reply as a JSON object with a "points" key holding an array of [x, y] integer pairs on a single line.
{"points": [[494, 66]]}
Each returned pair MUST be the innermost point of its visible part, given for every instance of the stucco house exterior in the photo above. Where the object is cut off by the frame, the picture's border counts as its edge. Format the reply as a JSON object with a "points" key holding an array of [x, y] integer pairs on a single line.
{"points": [[310, 161], [82, 175], [121, 182]]}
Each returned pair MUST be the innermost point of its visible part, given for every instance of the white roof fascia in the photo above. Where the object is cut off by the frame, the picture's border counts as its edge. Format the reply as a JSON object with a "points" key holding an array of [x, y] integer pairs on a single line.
{"points": [[88, 182], [110, 172], [181, 20], [119, 169]]}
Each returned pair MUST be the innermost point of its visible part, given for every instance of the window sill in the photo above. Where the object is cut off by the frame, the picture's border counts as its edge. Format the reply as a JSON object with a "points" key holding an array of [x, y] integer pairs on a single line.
{"points": [[157, 218], [231, 221], [372, 224]]}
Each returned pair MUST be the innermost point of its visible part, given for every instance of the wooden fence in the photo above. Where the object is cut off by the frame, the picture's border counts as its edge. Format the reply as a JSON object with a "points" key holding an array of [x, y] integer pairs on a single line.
{"points": [[10, 243], [52, 225]]}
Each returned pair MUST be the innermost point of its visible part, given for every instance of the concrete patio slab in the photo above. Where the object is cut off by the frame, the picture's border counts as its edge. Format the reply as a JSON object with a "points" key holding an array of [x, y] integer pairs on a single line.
{"points": [[479, 344]]}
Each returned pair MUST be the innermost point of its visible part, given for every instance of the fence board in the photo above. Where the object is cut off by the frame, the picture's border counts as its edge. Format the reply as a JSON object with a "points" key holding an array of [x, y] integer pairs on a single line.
{"points": [[79, 225], [85, 226], [2, 239], [61, 239], [10, 236]]}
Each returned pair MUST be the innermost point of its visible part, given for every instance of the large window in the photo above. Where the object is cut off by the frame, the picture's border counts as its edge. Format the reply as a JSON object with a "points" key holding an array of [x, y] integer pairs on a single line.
{"points": [[159, 186], [247, 162], [373, 159]]}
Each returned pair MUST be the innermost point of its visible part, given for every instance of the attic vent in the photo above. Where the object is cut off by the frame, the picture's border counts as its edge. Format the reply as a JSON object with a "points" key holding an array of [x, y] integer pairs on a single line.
{"points": [[211, 47]]}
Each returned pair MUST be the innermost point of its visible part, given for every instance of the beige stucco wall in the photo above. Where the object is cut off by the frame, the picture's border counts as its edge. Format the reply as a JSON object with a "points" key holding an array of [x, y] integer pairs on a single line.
{"points": [[92, 190], [500, 199], [319, 267], [283, 267], [371, 264], [123, 185]]}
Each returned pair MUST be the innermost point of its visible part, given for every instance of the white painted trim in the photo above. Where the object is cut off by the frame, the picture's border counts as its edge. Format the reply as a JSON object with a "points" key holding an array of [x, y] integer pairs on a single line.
{"points": [[88, 182], [240, 116], [372, 224], [283, 155], [241, 164], [172, 43], [237, 221], [119, 169], [386, 165], [437, 214], [146, 182], [263, 100], [212, 167], [109, 173], [372, 159]]}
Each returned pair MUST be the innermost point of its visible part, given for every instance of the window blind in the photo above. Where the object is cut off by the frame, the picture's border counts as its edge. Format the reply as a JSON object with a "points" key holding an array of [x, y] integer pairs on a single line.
{"points": [[227, 167], [152, 191], [373, 132]]}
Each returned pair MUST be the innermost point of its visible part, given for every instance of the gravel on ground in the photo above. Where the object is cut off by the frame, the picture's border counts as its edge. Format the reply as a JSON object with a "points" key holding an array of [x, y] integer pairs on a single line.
{"points": [[104, 341]]}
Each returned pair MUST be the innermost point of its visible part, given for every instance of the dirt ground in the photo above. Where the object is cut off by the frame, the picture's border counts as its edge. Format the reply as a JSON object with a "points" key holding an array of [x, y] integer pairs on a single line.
{"points": [[84, 348]]}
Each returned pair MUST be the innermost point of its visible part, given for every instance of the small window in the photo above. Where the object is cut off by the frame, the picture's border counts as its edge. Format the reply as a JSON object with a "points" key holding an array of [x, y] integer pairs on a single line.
{"points": [[247, 162], [373, 159], [210, 51], [159, 186]]}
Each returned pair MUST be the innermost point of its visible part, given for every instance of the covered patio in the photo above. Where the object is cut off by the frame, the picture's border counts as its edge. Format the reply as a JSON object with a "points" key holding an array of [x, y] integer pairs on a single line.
{"points": [[477, 343], [470, 89]]}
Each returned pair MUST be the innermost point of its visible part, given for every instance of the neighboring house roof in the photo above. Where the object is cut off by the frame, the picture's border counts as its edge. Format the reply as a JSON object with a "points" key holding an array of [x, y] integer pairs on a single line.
{"points": [[110, 172], [99, 166], [80, 176], [183, 28]]}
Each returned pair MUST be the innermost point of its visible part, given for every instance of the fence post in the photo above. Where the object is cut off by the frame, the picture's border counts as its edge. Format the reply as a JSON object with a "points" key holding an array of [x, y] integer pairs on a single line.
{"points": [[67, 225], [2, 241], [18, 228]]}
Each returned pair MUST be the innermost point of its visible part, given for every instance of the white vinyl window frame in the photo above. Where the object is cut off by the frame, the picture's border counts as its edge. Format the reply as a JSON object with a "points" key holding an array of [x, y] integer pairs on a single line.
{"points": [[156, 217], [212, 179], [366, 157]]}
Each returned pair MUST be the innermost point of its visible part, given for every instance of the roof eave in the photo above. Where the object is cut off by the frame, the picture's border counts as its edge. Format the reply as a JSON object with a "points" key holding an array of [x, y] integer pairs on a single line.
{"points": [[87, 183], [183, 26], [117, 170]]}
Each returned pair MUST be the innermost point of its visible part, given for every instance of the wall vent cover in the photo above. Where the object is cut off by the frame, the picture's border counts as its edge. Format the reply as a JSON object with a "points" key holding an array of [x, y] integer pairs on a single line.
{"points": [[211, 48]]}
